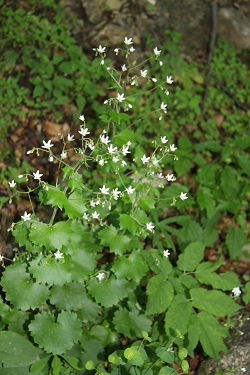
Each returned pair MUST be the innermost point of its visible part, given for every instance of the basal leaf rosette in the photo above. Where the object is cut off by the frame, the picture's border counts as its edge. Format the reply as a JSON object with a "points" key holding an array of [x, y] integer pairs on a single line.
{"points": [[55, 334]]}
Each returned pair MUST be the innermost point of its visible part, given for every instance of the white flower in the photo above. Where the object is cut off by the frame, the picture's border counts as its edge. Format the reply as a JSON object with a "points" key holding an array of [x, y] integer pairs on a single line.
{"points": [[157, 52], [92, 203], [144, 159], [30, 152], [164, 139], [47, 145], [101, 162], [12, 184], [120, 97], [131, 49], [116, 51], [82, 118], [169, 80], [236, 292], [26, 216], [115, 193], [150, 227], [84, 131], [102, 62], [161, 63], [130, 190], [115, 159], [144, 73], [166, 253], [104, 190], [173, 148], [243, 369], [128, 41], [154, 79], [123, 163], [51, 158], [164, 107], [125, 150], [91, 146], [160, 175], [20, 176], [85, 216], [1, 258], [101, 49], [112, 149], [58, 255], [95, 215], [63, 155], [37, 175], [155, 161], [70, 138], [183, 196], [170, 177], [124, 68], [104, 139], [100, 276]]}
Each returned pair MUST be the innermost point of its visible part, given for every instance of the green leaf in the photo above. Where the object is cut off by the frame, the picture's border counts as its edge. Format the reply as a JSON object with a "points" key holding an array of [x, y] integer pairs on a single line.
{"points": [[40, 364], [190, 232], [156, 262], [51, 236], [165, 355], [213, 301], [116, 358], [51, 271], [223, 281], [211, 334], [167, 371], [191, 257], [83, 262], [55, 335], [90, 310], [147, 203], [131, 267], [244, 163], [16, 351], [175, 317], [126, 222], [108, 292], [116, 242], [160, 294], [229, 183], [66, 297], [235, 240], [136, 355], [206, 201], [75, 206], [73, 362], [21, 290], [130, 323], [188, 281]]}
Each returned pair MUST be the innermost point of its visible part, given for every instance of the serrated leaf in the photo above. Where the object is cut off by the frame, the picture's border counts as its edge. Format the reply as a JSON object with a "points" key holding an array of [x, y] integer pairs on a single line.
{"points": [[211, 334], [16, 351], [235, 240], [126, 222], [206, 201], [192, 338], [223, 281], [229, 183], [157, 263], [116, 242], [213, 301], [147, 203], [178, 316], [160, 294], [188, 281], [90, 310], [130, 323], [135, 355], [53, 196], [54, 236], [244, 163], [131, 267], [67, 297], [75, 206], [191, 257], [55, 334], [190, 232], [51, 271], [21, 290], [108, 292]]}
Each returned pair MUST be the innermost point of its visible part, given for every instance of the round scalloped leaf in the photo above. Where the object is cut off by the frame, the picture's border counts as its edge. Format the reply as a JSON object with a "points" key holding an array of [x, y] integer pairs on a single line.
{"points": [[21, 290], [135, 355], [55, 335], [51, 271], [165, 354], [67, 297]]}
